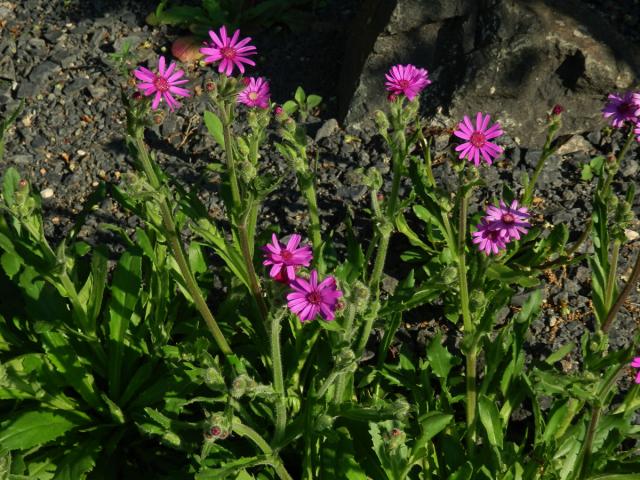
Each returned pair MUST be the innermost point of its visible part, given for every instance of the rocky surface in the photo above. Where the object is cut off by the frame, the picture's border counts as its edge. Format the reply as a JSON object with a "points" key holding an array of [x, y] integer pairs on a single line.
{"points": [[495, 57], [70, 138]]}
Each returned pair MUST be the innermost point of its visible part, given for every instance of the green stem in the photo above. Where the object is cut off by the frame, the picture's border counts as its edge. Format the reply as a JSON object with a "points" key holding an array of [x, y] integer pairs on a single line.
{"points": [[254, 283], [546, 153], [245, 431], [309, 192], [341, 384], [619, 158], [178, 249], [628, 288], [231, 164], [466, 317], [611, 278], [278, 378]]}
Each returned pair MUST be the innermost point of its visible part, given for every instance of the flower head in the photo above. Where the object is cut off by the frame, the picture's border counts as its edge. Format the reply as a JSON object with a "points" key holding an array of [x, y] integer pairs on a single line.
{"points": [[636, 364], [510, 220], [557, 109], [310, 298], [406, 79], [622, 108], [636, 130], [286, 259], [489, 238], [163, 84], [477, 138], [256, 93], [228, 51]]}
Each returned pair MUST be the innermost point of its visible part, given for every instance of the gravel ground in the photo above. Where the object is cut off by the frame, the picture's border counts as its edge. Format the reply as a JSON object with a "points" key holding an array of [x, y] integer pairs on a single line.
{"points": [[70, 139]]}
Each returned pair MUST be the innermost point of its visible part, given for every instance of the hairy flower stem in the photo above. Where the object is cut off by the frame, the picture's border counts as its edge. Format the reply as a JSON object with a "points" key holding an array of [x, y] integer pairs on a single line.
{"points": [[469, 328], [341, 384], [386, 229], [309, 192], [628, 288], [241, 221], [178, 249], [274, 460], [621, 154], [547, 151], [278, 378], [611, 278], [584, 459]]}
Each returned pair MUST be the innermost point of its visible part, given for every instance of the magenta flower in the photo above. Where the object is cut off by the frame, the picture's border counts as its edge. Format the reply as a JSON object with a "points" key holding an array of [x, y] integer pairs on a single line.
{"points": [[636, 364], [489, 238], [406, 79], [256, 93], [163, 84], [228, 50], [636, 130], [285, 260], [622, 108], [510, 220], [477, 140], [309, 298]]}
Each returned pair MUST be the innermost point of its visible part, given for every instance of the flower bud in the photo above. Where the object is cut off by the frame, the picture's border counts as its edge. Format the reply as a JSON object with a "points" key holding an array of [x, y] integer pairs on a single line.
{"points": [[242, 385], [360, 296], [557, 109], [401, 408], [216, 428], [395, 438], [449, 275], [290, 125], [137, 96], [346, 361], [477, 300], [213, 377], [381, 121], [210, 86], [323, 422], [247, 171]]}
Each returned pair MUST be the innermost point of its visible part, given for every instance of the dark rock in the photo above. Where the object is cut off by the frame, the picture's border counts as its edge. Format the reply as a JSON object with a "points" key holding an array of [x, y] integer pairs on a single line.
{"points": [[327, 129], [77, 85], [27, 89], [43, 72], [7, 70], [493, 57]]}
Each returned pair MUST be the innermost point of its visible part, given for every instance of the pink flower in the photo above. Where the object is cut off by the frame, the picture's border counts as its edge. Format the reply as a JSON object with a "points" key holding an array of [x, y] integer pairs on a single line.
{"points": [[163, 84], [622, 108], [284, 260], [256, 93], [228, 50], [309, 298], [636, 364], [488, 238], [511, 220], [477, 140], [636, 130], [406, 79]]}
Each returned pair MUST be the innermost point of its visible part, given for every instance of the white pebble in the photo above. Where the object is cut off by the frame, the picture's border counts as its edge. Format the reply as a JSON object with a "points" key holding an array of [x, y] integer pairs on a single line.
{"points": [[46, 193]]}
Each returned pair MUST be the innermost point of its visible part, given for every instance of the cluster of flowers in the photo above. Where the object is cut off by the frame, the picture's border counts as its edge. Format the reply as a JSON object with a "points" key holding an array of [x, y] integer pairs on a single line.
{"points": [[622, 109], [231, 51], [309, 298], [500, 226]]}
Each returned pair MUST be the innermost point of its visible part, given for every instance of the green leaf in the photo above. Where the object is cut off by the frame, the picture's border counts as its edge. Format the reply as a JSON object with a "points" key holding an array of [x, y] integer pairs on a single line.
{"points": [[10, 263], [300, 96], [463, 473], [290, 107], [337, 459], [509, 275], [78, 461], [616, 476], [32, 428], [586, 173], [560, 353], [313, 101], [214, 126], [440, 359], [125, 291], [490, 418], [10, 182]]}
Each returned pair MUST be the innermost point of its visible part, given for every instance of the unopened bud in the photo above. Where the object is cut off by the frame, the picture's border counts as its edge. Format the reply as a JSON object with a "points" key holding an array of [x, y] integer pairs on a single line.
{"points": [[278, 110], [449, 275], [360, 296], [477, 300], [210, 86], [395, 439], [323, 422], [401, 408], [242, 385], [346, 360], [216, 428], [392, 97], [381, 121], [557, 109], [137, 96], [247, 171]]}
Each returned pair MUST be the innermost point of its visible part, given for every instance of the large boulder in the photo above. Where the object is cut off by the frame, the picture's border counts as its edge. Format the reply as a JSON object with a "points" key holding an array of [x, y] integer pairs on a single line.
{"points": [[514, 59]]}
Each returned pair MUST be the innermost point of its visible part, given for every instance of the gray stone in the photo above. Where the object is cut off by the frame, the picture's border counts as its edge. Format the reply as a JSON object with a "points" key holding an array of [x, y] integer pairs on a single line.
{"points": [[512, 59], [27, 89], [77, 85], [327, 129], [7, 69], [575, 143], [44, 71]]}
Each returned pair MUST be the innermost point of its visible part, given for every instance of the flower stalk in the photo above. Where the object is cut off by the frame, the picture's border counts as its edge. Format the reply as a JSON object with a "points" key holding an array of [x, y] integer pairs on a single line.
{"points": [[177, 248], [278, 377]]}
